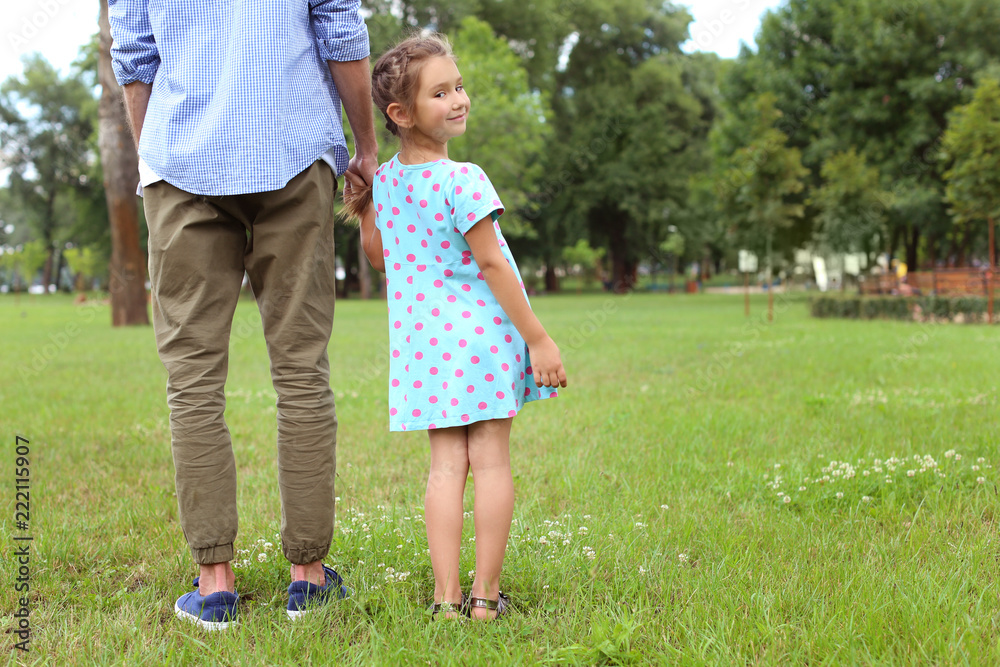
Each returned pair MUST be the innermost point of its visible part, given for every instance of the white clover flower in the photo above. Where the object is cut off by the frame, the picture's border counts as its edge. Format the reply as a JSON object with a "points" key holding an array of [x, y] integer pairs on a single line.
{"points": [[888, 480], [981, 480], [802, 488], [911, 473], [261, 557], [840, 494], [640, 524], [950, 453], [664, 507], [974, 468], [268, 545], [586, 516], [777, 465], [565, 542], [683, 558], [642, 570], [866, 473], [729, 464], [981, 460], [787, 499], [545, 587], [866, 499], [543, 540], [958, 457]]}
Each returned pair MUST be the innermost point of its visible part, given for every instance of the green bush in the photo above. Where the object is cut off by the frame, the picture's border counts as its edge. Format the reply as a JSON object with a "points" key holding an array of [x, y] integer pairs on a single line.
{"points": [[970, 308]]}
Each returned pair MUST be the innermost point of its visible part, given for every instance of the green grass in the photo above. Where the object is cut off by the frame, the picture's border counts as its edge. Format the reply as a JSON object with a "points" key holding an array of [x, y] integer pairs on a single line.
{"points": [[650, 526]]}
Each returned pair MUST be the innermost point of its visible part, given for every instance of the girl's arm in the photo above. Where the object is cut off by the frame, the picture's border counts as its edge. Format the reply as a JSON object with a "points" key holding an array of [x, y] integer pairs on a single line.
{"points": [[371, 237], [545, 359]]}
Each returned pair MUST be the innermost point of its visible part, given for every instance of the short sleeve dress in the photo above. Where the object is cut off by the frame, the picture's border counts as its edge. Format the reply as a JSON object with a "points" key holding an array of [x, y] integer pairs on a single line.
{"points": [[455, 356]]}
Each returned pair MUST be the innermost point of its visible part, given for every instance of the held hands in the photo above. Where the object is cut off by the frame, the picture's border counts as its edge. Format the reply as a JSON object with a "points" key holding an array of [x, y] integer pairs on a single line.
{"points": [[547, 364], [355, 186]]}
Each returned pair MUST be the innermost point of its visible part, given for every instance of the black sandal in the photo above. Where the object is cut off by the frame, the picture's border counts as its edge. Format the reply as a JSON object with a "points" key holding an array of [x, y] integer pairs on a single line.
{"points": [[448, 607], [501, 605]]}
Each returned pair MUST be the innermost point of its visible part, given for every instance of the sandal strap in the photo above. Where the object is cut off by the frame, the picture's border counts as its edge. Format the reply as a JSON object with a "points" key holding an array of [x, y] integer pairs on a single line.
{"points": [[447, 607], [484, 603]]}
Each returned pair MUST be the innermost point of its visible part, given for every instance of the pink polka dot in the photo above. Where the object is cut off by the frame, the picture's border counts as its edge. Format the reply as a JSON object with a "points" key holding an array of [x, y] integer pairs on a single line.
{"points": [[522, 375], [423, 203], [500, 395], [512, 413], [420, 297], [409, 309], [434, 370], [388, 224], [482, 405], [439, 217], [395, 383], [423, 244], [452, 298], [494, 349], [409, 279], [379, 208], [434, 341], [454, 401], [426, 173], [466, 314], [383, 178], [385, 253], [480, 330], [480, 302], [416, 413], [418, 384], [446, 356], [398, 295], [465, 418], [517, 357], [471, 216], [465, 261], [431, 427], [465, 170], [475, 359], [397, 266], [459, 373], [448, 327], [477, 196], [528, 370], [435, 312], [444, 413], [395, 211], [481, 276], [398, 324], [411, 228], [444, 385], [467, 288], [458, 189], [471, 389], [411, 258], [419, 326], [438, 283], [421, 267], [527, 392], [445, 244], [497, 320], [418, 356], [430, 233], [409, 199], [395, 354], [432, 399], [409, 188], [508, 338], [489, 377], [393, 411], [437, 187], [462, 343], [505, 367], [448, 273]]}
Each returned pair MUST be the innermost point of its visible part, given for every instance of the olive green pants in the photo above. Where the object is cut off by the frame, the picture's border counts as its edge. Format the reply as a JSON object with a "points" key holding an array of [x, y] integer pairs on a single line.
{"points": [[199, 249]]}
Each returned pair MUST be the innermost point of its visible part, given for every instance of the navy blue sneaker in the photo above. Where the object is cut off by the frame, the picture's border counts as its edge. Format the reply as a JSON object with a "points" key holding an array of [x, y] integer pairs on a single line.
{"points": [[303, 597], [210, 612]]}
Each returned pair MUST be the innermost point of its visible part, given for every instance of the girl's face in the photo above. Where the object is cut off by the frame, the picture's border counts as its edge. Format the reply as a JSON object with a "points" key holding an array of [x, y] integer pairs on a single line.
{"points": [[442, 106]]}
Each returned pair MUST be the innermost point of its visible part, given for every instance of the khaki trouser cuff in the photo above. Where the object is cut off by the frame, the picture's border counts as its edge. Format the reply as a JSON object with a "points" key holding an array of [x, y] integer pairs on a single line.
{"points": [[221, 553], [305, 556]]}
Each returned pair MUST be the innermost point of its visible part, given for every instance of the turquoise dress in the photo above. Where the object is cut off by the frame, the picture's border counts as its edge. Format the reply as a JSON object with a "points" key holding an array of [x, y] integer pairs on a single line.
{"points": [[455, 357]]}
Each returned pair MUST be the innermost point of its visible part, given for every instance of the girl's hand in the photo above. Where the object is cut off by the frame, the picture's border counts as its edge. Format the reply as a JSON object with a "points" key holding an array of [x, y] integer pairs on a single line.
{"points": [[546, 363]]}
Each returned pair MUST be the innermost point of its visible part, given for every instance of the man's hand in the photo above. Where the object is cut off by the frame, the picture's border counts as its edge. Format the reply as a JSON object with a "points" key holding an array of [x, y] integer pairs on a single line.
{"points": [[363, 166]]}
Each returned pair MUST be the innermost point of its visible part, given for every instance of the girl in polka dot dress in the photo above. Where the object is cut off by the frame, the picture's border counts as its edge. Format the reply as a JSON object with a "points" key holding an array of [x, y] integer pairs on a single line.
{"points": [[466, 350]]}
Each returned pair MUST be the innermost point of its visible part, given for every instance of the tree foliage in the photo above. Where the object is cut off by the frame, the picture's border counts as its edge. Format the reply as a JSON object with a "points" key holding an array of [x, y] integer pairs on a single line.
{"points": [[972, 143]]}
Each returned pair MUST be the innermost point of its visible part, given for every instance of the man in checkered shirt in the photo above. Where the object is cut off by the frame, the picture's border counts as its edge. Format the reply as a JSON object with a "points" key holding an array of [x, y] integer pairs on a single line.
{"points": [[235, 106]]}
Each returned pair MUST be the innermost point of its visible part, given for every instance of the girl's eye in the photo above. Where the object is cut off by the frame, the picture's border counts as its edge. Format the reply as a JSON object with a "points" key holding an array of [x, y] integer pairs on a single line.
{"points": [[460, 88]]}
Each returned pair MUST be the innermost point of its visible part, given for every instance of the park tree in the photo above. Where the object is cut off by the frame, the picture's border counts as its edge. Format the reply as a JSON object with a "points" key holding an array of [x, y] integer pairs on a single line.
{"points": [[46, 125], [85, 263], [879, 76], [851, 206], [972, 146], [759, 191], [121, 168]]}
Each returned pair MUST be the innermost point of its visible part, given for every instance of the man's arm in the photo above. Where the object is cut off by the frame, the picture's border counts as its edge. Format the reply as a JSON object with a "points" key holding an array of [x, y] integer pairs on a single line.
{"points": [[354, 84], [136, 99]]}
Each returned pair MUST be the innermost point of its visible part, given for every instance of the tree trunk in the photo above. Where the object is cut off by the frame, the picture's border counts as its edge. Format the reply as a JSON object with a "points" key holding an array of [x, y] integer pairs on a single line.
{"points": [[893, 242], [551, 279], [364, 273], [912, 245], [121, 172]]}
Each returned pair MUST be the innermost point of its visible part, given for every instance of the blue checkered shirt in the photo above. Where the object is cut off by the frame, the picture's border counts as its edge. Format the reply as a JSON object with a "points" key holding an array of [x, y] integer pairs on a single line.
{"points": [[242, 99]]}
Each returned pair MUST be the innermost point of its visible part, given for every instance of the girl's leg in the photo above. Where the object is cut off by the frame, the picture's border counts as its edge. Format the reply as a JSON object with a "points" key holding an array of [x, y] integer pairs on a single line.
{"points": [[489, 457], [443, 509]]}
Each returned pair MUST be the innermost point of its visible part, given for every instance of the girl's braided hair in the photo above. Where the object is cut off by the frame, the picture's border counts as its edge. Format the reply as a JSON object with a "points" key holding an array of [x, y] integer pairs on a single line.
{"points": [[395, 78]]}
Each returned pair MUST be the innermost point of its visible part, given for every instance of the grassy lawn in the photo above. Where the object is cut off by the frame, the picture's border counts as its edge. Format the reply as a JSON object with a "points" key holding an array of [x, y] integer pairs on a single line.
{"points": [[708, 490]]}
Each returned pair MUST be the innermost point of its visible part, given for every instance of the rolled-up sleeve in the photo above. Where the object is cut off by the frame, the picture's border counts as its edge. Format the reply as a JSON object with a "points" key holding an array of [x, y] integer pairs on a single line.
{"points": [[341, 33], [134, 56]]}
